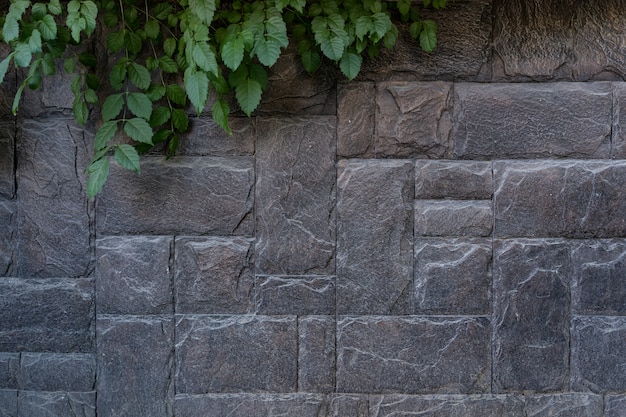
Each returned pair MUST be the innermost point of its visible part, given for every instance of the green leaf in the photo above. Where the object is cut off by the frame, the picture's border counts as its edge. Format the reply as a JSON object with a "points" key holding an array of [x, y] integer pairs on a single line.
{"points": [[118, 75], [10, 29], [180, 120], [363, 26], [152, 29], [91, 97], [139, 75], [248, 95], [34, 81], [48, 28], [382, 23], [105, 134], [140, 105], [390, 37], [162, 11], [98, 172], [204, 57], [197, 88], [258, 73], [232, 51], [428, 37], [127, 157], [172, 146], [350, 65], [23, 55], [54, 7], [81, 112], [4, 66], [90, 11], [333, 47], [161, 136], [267, 50], [415, 29], [138, 129], [38, 11], [87, 59], [48, 65], [204, 9], [69, 65], [155, 92], [169, 46], [220, 113], [311, 61], [404, 6], [159, 116], [176, 94], [115, 41], [112, 107], [132, 42], [17, 97], [168, 65], [92, 81]]}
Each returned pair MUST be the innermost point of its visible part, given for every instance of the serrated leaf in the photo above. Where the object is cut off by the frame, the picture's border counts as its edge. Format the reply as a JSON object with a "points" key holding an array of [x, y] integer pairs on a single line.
{"points": [[404, 6], [232, 51], [176, 94], [110, 19], [258, 73], [169, 46], [132, 42], [98, 172], [138, 129], [91, 97], [90, 12], [197, 88], [112, 107], [115, 41], [54, 7], [48, 65], [350, 65], [4, 66], [248, 94], [168, 65], [105, 134], [10, 29], [220, 113], [333, 48], [311, 61], [22, 55], [34, 41], [172, 146], [81, 112], [48, 27], [180, 120], [139, 75], [415, 29], [390, 37], [204, 9], [363, 26], [267, 50], [38, 10], [152, 29], [161, 136], [34, 81], [118, 75], [69, 65], [159, 116], [204, 57], [139, 104], [162, 11], [428, 36], [127, 157], [155, 92], [382, 23]]}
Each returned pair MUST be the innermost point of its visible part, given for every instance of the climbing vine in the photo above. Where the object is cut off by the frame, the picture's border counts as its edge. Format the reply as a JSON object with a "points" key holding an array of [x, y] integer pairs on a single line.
{"points": [[175, 53]]}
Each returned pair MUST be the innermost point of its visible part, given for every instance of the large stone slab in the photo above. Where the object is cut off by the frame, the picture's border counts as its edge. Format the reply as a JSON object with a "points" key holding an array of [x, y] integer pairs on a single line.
{"points": [[135, 366], [54, 216], [295, 195], [348, 405], [182, 195], [560, 199], [7, 159], [8, 403], [453, 276], [8, 232], [374, 236], [414, 120], [133, 275], [316, 354], [246, 405], [213, 275], [598, 361], [570, 405], [46, 404], [9, 370], [532, 120], [618, 150], [413, 355], [207, 138], [295, 295], [453, 218], [531, 303], [445, 406], [615, 405], [462, 180], [219, 354], [46, 315], [356, 118], [57, 372]]}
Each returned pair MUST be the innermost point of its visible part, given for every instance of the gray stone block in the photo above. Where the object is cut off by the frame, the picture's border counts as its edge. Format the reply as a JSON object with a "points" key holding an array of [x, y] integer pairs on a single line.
{"points": [[46, 315], [133, 275], [8, 232], [598, 361], [236, 354], [316, 354], [414, 120], [375, 236], [413, 355], [453, 276], [570, 405], [348, 405], [57, 372], [598, 281], [135, 366], [446, 406], [453, 218], [560, 199], [8, 403], [614, 405], [462, 180], [9, 370], [54, 97], [49, 404], [618, 150], [247, 405], [195, 195], [54, 217], [531, 304], [295, 196], [356, 116], [7, 159], [532, 120], [213, 275], [295, 295], [206, 138]]}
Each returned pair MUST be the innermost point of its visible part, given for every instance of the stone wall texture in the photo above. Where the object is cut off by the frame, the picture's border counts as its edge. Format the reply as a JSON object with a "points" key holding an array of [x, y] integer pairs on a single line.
{"points": [[444, 236]]}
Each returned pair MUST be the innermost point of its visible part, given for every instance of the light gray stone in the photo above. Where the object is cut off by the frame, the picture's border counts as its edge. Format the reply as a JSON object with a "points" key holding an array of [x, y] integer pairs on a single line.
{"points": [[207, 138], [615, 405], [618, 150], [356, 117], [8, 403], [569, 405], [462, 180], [7, 159], [213, 275], [295, 186], [295, 295], [54, 404], [8, 232], [9, 370], [316, 354], [57, 372], [445, 406], [453, 218], [348, 405], [374, 236]]}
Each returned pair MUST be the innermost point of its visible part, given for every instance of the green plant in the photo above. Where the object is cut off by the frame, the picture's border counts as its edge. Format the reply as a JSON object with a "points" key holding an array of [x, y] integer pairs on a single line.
{"points": [[172, 53]]}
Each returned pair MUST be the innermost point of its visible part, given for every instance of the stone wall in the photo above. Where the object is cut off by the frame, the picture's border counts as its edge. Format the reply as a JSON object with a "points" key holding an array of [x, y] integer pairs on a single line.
{"points": [[443, 237]]}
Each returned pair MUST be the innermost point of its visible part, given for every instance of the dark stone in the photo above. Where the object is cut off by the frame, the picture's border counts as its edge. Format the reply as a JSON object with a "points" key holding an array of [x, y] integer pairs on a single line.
{"points": [[57, 372], [54, 216], [618, 150], [316, 354], [531, 315], [213, 275], [8, 231], [47, 404], [8, 87], [413, 355], [453, 218], [247, 405], [295, 227], [348, 405], [570, 405], [375, 236], [9, 370], [598, 361], [598, 281], [46, 315], [615, 405], [446, 406], [8, 403], [560, 199], [295, 295], [207, 138], [356, 116], [181, 195], [135, 366], [453, 276], [7, 159], [235, 354], [53, 98], [462, 180], [133, 275], [414, 120], [532, 120]]}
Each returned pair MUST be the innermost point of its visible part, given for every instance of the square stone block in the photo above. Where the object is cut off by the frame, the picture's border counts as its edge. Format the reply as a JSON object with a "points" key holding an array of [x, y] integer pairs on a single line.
{"points": [[57, 372], [316, 354], [295, 295], [356, 116], [445, 406], [453, 218], [9, 370], [46, 404], [461, 180], [207, 138]]}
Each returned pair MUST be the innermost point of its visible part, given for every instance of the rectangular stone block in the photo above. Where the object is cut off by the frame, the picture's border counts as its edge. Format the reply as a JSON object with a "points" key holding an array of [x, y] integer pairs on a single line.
{"points": [[8, 236], [445, 406], [46, 404], [295, 195], [618, 140], [55, 218], [47, 315], [453, 218], [57, 372], [158, 201], [316, 354], [8, 403], [247, 405], [531, 315], [207, 138], [348, 405], [414, 120], [413, 355], [295, 295], [356, 115], [614, 405], [213, 275], [133, 275], [236, 354], [7, 159], [461, 180], [598, 361], [135, 366], [375, 236], [453, 276], [560, 199], [546, 120], [9, 370], [598, 282], [570, 405]]}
